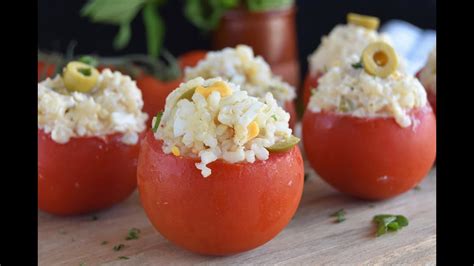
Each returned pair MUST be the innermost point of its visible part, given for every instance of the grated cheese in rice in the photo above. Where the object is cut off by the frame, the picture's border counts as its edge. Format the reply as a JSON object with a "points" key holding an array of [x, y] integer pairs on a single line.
{"points": [[216, 127], [351, 91], [428, 73], [239, 65], [113, 106]]}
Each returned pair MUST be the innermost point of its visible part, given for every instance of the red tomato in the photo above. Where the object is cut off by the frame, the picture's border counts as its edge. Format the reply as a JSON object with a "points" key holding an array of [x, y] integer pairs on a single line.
{"points": [[45, 70], [85, 174], [290, 108], [154, 93], [370, 158], [310, 82], [237, 208], [190, 59]]}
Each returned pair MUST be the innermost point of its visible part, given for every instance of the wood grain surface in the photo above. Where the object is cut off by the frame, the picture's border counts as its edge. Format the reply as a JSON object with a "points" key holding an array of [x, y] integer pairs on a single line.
{"points": [[312, 237]]}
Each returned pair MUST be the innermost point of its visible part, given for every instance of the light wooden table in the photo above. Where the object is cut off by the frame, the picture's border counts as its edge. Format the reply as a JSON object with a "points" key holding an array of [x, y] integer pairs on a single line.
{"points": [[312, 237]]}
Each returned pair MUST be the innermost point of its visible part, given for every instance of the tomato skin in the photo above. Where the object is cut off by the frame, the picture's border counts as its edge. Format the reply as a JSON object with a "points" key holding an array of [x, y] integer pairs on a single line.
{"points": [[85, 174], [49, 72], [191, 58], [310, 82], [237, 208], [355, 154], [290, 108], [154, 93]]}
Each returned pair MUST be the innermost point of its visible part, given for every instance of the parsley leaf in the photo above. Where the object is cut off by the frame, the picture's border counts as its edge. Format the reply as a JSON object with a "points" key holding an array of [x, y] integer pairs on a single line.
{"points": [[358, 65], [389, 222], [340, 216], [123, 257], [118, 247], [157, 121], [133, 234]]}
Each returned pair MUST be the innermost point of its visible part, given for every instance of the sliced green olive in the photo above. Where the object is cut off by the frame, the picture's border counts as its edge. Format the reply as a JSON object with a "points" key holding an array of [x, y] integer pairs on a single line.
{"points": [[369, 22], [379, 59], [284, 145]]}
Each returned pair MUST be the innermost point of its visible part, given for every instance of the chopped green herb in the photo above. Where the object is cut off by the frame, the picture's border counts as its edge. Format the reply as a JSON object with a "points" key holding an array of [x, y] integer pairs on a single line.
{"points": [[340, 216], [313, 91], [157, 121], [62, 232], [119, 247], [123, 257], [306, 176], [104, 243], [91, 61], [133, 234], [275, 117], [345, 105], [358, 65], [95, 218], [371, 205], [85, 71], [417, 188], [389, 222], [82, 264]]}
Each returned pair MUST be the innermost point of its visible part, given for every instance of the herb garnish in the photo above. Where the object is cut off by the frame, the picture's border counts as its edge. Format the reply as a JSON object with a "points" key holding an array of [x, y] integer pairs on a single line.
{"points": [[275, 117], [104, 243], [340, 216], [417, 188], [157, 121], [389, 222], [119, 247], [123, 257], [133, 234], [358, 65], [95, 218], [306, 176], [89, 60]]}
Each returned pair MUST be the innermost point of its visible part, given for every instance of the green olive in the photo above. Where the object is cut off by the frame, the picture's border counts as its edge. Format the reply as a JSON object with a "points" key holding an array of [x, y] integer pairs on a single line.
{"points": [[284, 145]]}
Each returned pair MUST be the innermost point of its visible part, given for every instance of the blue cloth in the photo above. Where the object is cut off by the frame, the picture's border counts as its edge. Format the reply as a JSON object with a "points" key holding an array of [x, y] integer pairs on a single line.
{"points": [[410, 42]]}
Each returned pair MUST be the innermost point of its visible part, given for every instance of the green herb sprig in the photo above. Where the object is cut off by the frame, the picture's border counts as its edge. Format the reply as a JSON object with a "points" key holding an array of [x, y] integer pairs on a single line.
{"points": [[340, 216], [133, 234], [389, 223]]}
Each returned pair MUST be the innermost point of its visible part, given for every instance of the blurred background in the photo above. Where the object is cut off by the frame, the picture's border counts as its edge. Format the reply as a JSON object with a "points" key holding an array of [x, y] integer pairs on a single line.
{"points": [[59, 22]]}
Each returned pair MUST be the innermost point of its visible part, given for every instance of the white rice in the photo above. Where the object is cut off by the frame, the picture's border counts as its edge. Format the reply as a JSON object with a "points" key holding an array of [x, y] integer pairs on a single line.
{"points": [[113, 106], [216, 127]]}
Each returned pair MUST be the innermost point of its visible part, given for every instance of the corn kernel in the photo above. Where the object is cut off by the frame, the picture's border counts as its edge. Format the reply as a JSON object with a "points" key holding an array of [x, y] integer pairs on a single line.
{"points": [[219, 86], [253, 130], [175, 151]]}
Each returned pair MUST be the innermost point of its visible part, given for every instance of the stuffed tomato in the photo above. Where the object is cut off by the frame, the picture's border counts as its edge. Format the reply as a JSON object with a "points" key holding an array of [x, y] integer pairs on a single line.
{"points": [[370, 132], [427, 76], [222, 173], [240, 66], [342, 41], [89, 127]]}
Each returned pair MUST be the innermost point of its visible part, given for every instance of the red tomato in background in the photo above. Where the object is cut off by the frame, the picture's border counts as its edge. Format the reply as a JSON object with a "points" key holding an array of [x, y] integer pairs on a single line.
{"points": [[190, 59], [85, 174], [45, 70], [310, 82], [154, 93], [290, 108], [370, 158], [237, 208], [429, 93]]}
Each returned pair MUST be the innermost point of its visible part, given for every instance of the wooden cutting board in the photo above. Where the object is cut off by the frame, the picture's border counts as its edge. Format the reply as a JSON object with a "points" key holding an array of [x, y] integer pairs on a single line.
{"points": [[312, 237]]}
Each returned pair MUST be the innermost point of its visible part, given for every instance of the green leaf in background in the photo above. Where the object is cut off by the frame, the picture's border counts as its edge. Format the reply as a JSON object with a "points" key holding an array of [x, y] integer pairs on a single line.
{"points": [[123, 36], [155, 29], [116, 12], [206, 14], [266, 5]]}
